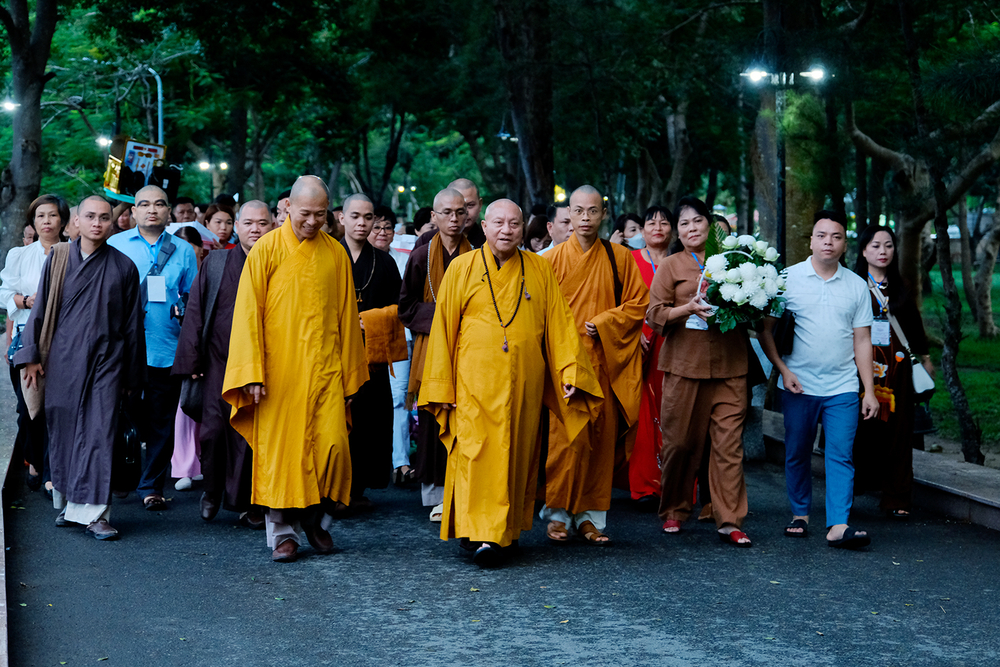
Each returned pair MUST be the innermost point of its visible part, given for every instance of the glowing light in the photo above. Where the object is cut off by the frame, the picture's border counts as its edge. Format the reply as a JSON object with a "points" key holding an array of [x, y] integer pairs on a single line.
{"points": [[400, 189], [413, 188], [103, 142], [816, 74], [10, 106], [223, 165], [204, 166], [561, 196], [756, 75]]}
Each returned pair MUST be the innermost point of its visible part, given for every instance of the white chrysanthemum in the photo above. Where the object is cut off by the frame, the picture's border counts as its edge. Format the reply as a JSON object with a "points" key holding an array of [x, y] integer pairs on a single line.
{"points": [[769, 271], [771, 287], [781, 283], [730, 242], [771, 255], [728, 291], [751, 288], [760, 247], [715, 267], [733, 276], [749, 273], [759, 300], [746, 240]]}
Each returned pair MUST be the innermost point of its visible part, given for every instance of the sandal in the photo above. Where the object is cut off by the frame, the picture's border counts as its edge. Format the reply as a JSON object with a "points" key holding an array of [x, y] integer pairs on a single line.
{"points": [[437, 512], [671, 526], [588, 531], [734, 538], [488, 555], [900, 515], [801, 524], [154, 503], [555, 527], [850, 540]]}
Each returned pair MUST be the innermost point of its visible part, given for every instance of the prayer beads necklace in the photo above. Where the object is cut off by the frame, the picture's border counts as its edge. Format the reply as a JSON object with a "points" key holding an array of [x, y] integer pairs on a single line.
{"points": [[429, 283], [522, 292], [370, 276]]}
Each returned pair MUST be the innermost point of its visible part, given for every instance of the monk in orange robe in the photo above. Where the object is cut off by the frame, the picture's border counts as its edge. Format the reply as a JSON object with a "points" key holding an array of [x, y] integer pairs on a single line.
{"points": [[295, 355], [503, 342], [608, 299]]}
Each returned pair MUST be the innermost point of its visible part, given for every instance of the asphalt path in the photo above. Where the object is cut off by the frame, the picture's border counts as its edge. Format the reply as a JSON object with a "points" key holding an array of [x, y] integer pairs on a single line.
{"points": [[178, 591]]}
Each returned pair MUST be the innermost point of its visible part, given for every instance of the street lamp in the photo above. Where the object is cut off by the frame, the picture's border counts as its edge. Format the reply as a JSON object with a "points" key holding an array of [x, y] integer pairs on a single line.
{"points": [[204, 166], [781, 82], [103, 142], [10, 106], [223, 166]]}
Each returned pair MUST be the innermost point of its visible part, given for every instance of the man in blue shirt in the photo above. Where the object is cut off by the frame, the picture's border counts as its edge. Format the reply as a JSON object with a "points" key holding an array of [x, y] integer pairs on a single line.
{"points": [[166, 269]]}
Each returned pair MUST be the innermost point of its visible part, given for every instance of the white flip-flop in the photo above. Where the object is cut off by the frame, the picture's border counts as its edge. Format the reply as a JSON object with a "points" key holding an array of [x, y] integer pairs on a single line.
{"points": [[436, 513]]}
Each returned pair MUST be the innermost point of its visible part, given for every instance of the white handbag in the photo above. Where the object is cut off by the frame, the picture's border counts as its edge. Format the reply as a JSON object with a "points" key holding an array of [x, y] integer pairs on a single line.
{"points": [[923, 383]]}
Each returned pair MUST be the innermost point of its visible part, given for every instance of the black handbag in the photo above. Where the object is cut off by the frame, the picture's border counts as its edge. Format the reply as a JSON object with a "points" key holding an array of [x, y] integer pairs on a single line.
{"points": [[193, 389], [126, 457], [784, 333]]}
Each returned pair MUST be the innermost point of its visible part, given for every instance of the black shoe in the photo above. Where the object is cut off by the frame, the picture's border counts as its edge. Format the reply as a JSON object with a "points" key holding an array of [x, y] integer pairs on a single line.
{"points": [[488, 556], [648, 503], [34, 482], [209, 507]]}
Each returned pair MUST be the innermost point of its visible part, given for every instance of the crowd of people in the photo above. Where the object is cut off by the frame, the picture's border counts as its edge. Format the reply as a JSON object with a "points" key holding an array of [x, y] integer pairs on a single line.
{"points": [[282, 355]]}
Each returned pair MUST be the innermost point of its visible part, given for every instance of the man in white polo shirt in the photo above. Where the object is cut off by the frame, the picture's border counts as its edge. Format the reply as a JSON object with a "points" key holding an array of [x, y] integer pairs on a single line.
{"points": [[819, 379]]}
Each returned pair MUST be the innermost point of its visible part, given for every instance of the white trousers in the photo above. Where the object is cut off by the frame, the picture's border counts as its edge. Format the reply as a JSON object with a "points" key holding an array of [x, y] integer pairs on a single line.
{"points": [[597, 517]]}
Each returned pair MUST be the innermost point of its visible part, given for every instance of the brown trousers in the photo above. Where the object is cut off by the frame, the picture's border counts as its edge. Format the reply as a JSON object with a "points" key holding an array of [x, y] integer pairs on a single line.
{"points": [[696, 412]]}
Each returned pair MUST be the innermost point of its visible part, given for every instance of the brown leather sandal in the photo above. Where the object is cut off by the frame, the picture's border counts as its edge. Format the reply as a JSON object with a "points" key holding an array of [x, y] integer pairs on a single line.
{"points": [[557, 527], [591, 535]]}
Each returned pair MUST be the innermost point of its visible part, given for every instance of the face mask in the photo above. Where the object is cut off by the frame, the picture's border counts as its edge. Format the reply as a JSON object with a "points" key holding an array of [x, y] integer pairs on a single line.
{"points": [[636, 242]]}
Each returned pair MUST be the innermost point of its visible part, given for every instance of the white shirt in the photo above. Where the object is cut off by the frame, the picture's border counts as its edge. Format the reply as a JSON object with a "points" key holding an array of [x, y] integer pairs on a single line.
{"points": [[20, 275], [826, 314], [544, 250]]}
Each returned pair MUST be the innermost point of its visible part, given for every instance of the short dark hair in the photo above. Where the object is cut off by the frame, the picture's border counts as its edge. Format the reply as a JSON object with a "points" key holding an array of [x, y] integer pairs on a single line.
{"points": [[225, 200], [183, 200], [111, 204], [623, 220], [59, 203], [191, 235], [387, 214], [828, 214], [219, 208], [285, 195], [550, 213], [421, 217], [538, 209], [652, 212], [538, 228], [693, 203]]}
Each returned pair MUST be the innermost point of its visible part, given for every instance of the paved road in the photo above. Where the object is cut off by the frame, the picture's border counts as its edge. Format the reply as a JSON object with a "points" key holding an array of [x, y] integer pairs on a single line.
{"points": [[178, 591]]}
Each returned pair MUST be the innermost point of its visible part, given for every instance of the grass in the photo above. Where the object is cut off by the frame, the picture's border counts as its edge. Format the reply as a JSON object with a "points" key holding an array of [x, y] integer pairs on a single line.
{"points": [[978, 365]]}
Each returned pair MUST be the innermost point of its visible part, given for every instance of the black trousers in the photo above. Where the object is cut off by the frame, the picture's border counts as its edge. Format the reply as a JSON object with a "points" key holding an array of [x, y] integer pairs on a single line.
{"points": [[32, 443], [154, 412]]}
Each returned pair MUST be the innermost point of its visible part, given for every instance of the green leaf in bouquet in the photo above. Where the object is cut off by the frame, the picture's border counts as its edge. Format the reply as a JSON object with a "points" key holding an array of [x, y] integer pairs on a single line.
{"points": [[713, 244]]}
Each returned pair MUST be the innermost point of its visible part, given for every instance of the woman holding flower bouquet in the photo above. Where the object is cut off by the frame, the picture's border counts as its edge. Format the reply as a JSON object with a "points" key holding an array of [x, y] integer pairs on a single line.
{"points": [[704, 385]]}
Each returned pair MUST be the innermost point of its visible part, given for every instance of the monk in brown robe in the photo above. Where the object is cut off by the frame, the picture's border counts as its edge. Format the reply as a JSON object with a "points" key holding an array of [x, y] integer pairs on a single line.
{"points": [[417, 298], [608, 298]]}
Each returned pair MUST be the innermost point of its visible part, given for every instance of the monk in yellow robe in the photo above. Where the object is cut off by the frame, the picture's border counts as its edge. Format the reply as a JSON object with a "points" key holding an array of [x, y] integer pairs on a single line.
{"points": [[502, 337], [608, 299], [295, 355]]}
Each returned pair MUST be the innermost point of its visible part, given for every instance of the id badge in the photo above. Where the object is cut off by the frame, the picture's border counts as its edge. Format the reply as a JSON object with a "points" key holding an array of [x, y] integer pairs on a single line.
{"points": [[695, 322], [156, 289], [880, 333]]}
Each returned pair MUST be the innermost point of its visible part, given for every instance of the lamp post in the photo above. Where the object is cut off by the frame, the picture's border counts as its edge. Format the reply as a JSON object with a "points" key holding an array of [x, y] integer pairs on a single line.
{"points": [[781, 81]]}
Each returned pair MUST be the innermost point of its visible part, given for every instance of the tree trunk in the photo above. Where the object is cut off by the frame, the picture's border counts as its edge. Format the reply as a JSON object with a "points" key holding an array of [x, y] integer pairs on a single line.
{"points": [[988, 248], [680, 151], [764, 152], [876, 191], [833, 163], [972, 435], [29, 54], [713, 187], [236, 175], [525, 43], [968, 286], [861, 195]]}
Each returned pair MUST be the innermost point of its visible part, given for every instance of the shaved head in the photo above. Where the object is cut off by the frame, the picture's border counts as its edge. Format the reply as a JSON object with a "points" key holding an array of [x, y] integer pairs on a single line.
{"points": [[100, 198], [501, 207], [446, 194], [307, 206], [586, 190], [255, 206], [151, 211], [473, 202], [586, 211], [504, 228], [449, 213], [357, 197]]}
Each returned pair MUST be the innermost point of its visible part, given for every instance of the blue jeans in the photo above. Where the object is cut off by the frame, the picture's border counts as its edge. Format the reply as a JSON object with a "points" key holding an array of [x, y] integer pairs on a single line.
{"points": [[400, 415], [839, 415]]}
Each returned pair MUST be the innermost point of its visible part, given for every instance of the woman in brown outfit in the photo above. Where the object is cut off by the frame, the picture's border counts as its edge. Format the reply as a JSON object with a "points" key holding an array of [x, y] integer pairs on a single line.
{"points": [[704, 386]]}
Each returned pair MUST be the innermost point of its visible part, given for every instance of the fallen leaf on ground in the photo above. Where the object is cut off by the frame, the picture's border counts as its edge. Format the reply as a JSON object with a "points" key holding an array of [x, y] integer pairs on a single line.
{"points": [[566, 621], [474, 590], [183, 639], [874, 613], [24, 604], [549, 606], [100, 659], [819, 633], [476, 620], [279, 598], [775, 582]]}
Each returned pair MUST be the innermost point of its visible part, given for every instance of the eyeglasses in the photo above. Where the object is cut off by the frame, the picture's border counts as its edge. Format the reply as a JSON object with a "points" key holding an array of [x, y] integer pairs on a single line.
{"points": [[447, 213], [381, 230]]}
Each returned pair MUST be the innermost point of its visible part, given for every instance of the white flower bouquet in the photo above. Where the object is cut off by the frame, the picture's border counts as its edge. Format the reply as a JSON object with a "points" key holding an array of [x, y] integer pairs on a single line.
{"points": [[743, 282]]}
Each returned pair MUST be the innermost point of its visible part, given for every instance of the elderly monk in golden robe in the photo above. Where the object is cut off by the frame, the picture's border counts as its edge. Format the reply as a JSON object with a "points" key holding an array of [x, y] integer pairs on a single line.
{"points": [[503, 341], [295, 355], [608, 298]]}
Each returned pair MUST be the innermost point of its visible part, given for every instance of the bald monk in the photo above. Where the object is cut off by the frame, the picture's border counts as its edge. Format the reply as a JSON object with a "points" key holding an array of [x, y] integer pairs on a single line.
{"points": [[473, 206], [376, 286], [609, 314], [422, 279], [484, 379], [295, 356]]}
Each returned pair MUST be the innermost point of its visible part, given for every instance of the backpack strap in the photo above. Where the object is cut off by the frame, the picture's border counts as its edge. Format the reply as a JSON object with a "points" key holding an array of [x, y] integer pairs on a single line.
{"points": [[614, 271]]}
